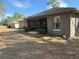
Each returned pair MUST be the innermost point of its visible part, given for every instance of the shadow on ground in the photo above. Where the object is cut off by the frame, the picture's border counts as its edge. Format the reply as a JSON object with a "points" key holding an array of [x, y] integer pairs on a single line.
{"points": [[20, 45]]}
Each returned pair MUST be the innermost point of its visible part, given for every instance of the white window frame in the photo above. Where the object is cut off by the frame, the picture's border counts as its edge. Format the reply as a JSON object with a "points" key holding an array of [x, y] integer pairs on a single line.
{"points": [[55, 18]]}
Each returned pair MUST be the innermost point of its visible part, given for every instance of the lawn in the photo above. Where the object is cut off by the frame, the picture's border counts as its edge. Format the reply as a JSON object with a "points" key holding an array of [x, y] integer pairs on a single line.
{"points": [[16, 44]]}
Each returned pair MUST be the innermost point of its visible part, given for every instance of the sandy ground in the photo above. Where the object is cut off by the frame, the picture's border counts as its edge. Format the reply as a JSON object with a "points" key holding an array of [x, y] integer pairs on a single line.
{"points": [[16, 44]]}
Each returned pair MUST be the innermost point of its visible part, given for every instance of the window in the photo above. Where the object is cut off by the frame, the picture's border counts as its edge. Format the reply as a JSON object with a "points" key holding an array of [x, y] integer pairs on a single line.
{"points": [[56, 23]]}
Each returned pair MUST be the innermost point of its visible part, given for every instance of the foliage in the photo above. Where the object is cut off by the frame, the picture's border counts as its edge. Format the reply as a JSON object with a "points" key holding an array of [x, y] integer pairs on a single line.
{"points": [[0, 23], [2, 8], [15, 17], [2, 11], [18, 16], [5, 21], [54, 3], [26, 29], [9, 19], [41, 30]]}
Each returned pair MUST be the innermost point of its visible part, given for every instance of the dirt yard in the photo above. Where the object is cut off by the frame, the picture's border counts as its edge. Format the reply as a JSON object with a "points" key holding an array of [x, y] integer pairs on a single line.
{"points": [[16, 44]]}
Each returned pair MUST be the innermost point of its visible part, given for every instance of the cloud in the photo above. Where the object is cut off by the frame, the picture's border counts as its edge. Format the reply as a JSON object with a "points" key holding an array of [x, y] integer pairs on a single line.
{"points": [[8, 14], [49, 7], [63, 4], [20, 4]]}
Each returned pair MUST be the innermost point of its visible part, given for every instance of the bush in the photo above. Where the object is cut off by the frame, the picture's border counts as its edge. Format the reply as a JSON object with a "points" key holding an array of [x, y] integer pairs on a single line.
{"points": [[26, 29], [41, 30]]}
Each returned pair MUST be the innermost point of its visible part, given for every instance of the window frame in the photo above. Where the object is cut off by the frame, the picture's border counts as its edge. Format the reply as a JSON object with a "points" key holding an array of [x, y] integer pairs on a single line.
{"points": [[56, 21]]}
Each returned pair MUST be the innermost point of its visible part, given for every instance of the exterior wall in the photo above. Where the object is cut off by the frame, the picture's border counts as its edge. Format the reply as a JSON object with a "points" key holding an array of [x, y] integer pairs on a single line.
{"points": [[65, 25], [16, 25], [77, 25], [25, 22], [12, 25], [74, 24], [21, 24]]}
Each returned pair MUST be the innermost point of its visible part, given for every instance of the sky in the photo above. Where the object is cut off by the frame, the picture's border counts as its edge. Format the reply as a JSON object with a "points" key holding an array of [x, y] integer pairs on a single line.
{"points": [[30, 7]]}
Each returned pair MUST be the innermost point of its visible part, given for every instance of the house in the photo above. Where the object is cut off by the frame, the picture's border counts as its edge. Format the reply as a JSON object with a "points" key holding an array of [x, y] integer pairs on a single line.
{"points": [[16, 24], [57, 21]]}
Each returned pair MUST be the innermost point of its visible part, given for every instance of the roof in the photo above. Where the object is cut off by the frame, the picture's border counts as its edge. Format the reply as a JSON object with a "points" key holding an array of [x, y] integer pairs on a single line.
{"points": [[16, 21], [53, 11]]}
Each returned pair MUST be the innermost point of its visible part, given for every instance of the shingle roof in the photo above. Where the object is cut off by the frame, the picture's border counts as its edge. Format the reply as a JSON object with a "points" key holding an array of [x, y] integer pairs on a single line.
{"points": [[53, 11]]}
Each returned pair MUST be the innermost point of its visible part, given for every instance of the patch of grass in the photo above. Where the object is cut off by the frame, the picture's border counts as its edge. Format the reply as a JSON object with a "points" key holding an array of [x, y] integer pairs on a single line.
{"points": [[76, 38]]}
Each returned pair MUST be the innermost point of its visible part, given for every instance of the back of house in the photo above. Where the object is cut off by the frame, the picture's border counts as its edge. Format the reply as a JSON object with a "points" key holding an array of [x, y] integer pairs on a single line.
{"points": [[56, 21]]}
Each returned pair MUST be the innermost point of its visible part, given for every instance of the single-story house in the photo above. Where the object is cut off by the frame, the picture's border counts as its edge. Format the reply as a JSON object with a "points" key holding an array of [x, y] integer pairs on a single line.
{"points": [[16, 24], [57, 21]]}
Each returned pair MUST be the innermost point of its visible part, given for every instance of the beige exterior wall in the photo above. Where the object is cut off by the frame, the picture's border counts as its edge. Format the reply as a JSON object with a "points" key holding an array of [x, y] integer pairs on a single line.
{"points": [[21, 24], [65, 25], [74, 25], [69, 24], [16, 25], [12, 25]]}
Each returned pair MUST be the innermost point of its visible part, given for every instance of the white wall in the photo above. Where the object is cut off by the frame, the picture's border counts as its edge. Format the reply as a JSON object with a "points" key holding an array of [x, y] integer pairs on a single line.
{"points": [[16, 25], [72, 26]]}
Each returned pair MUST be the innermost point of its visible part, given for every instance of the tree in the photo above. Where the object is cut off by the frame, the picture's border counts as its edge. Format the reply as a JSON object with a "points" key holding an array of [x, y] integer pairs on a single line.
{"points": [[2, 9], [18, 16], [9, 19], [15, 17], [54, 3]]}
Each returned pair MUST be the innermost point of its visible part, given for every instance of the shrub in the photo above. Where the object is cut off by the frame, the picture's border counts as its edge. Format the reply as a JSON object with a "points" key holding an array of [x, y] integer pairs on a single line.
{"points": [[41, 30], [26, 29]]}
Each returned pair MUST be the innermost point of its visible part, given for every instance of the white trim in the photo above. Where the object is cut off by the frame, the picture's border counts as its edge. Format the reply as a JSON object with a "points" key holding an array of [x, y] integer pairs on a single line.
{"points": [[56, 30]]}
